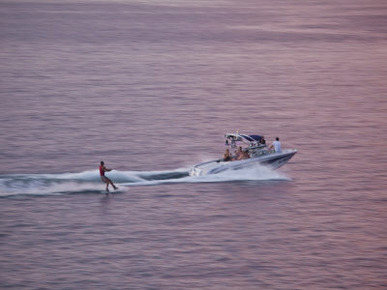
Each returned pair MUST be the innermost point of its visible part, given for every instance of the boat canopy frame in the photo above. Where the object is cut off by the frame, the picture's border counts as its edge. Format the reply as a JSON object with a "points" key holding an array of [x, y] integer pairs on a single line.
{"points": [[248, 139]]}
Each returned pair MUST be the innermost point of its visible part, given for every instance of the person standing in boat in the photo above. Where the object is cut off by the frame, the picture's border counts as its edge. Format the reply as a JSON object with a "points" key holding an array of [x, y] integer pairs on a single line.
{"points": [[276, 145], [102, 170]]}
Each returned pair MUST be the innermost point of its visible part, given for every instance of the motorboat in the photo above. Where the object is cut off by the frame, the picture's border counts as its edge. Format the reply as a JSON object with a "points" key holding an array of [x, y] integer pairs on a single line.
{"points": [[256, 152]]}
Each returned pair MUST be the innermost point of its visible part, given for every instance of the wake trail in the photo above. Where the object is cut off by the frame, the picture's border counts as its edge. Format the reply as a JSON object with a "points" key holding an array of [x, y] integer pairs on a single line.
{"points": [[89, 181]]}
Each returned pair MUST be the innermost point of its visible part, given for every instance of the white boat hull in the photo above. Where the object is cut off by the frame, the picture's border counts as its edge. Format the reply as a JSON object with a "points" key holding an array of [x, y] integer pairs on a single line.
{"points": [[273, 160]]}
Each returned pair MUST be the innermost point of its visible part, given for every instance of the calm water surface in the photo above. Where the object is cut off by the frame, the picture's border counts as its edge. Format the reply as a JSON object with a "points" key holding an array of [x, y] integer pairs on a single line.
{"points": [[151, 87]]}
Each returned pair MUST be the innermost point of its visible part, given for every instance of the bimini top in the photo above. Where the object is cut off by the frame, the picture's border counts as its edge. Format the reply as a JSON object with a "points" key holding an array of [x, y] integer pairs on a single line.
{"points": [[244, 137]]}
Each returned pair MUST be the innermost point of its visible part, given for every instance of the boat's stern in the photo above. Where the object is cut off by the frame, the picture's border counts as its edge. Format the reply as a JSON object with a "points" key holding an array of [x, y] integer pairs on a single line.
{"points": [[195, 171]]}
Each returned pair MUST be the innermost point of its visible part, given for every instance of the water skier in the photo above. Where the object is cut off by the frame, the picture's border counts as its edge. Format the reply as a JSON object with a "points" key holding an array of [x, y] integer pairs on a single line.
{"points": [[102, 170]]}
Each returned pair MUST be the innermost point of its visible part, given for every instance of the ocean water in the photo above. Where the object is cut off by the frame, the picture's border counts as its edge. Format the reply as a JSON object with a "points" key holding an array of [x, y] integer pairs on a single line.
{"points": [[151, 87]]}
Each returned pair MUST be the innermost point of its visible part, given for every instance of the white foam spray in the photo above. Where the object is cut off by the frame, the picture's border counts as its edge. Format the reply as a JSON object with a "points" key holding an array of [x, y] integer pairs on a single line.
{"points": [[89, 181]]}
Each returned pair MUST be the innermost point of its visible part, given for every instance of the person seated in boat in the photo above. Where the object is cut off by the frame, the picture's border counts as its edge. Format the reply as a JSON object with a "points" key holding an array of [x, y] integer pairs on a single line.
{"points": [[246, 154], [227, 155], [239, 153], [242, 154], [262, 142]]}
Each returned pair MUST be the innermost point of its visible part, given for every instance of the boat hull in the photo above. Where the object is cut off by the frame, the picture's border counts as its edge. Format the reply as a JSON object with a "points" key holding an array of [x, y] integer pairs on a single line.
{"points": [[274, 161]]}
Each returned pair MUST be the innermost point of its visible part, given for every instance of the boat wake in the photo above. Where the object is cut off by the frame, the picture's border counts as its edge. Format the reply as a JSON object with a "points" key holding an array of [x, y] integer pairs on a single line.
{"points": [[14, 185]]}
